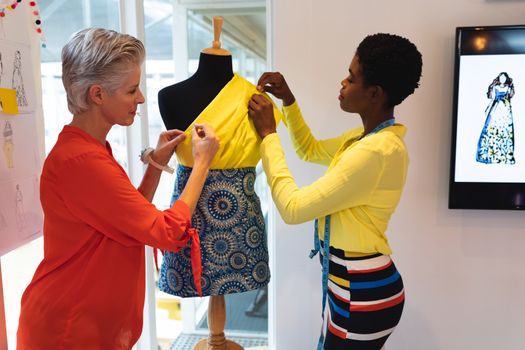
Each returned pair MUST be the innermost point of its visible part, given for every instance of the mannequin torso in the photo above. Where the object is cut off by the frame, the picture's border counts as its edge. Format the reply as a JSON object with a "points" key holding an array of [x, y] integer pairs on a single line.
{"points": [[181, 103]]}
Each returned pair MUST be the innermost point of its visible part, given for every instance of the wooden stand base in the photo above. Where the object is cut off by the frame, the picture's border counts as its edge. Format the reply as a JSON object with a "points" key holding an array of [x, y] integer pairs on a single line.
{"points": [[216, 322], [205, 344]]}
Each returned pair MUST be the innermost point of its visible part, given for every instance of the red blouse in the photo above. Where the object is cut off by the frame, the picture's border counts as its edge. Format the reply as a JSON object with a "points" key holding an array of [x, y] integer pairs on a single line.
{"points": [[88, 291]]}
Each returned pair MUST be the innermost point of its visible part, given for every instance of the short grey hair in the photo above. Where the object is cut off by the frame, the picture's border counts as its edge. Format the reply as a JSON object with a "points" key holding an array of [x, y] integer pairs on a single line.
{"points": [[97, 56]]}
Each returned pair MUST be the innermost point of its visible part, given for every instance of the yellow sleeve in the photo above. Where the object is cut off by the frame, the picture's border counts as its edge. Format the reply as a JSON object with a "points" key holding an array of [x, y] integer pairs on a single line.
{"points": [[307, 147], [347, 184]]}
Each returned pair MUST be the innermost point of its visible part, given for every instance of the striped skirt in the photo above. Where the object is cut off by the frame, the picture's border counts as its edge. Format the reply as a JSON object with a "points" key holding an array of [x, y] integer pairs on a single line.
{"points": [[365, 299]]}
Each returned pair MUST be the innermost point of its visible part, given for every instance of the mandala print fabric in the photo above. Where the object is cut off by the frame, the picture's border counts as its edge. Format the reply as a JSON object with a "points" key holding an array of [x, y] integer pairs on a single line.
{"points": [[232, 231]]}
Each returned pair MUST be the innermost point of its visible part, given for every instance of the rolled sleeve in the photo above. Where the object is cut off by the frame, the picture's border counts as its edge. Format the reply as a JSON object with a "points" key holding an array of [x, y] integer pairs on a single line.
{"points": [[98, 192]]}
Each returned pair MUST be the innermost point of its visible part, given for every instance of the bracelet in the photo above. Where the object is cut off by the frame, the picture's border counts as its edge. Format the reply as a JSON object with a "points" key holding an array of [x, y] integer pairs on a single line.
{"points": [[145, 157]]}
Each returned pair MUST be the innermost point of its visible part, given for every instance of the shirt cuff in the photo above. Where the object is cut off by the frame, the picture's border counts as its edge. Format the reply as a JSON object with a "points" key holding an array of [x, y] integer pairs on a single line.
{"points": [[268, 141], [293, 108], [270, 150]]}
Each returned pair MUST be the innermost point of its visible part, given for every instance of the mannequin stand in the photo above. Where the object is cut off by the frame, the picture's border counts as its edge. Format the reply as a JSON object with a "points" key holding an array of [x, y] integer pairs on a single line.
{"points": [[216, 322]]}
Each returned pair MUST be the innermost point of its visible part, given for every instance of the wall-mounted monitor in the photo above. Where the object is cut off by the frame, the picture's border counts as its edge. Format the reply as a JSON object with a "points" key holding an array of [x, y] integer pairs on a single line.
{"points": [[488, 129]]}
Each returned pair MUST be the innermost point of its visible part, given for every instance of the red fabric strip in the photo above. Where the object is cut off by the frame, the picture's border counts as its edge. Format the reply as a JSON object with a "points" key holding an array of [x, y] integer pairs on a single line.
{"points": [[338, 333], [196, 263], [379, 306]]}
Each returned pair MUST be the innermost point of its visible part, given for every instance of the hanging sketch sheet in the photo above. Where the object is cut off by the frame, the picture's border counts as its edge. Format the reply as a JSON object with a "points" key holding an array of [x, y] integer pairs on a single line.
{"points": [[20, 211], [16, 73]]}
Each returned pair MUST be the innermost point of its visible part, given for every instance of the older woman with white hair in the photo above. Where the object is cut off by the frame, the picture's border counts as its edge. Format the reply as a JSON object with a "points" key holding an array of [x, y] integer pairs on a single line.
{"points": [[88, 291]]}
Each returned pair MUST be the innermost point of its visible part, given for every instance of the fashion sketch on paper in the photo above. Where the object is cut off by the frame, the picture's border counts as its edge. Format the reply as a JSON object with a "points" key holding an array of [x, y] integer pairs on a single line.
{"points": [[496, 142], [1, 68], [18, 83], [8, 144], [20, 215], [3, 222]]}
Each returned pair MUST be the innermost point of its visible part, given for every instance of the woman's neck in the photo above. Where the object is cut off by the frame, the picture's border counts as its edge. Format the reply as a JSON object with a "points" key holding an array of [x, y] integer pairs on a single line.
{"points": [[92, 124], [370, 122]]}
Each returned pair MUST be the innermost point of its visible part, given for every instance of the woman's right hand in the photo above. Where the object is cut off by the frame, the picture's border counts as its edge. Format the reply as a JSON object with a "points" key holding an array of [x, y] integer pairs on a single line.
{"points": [[275, 84], [205, 144]]}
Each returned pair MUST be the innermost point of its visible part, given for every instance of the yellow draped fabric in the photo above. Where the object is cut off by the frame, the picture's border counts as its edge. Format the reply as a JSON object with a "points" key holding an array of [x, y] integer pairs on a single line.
{"points": [[228, 115]]}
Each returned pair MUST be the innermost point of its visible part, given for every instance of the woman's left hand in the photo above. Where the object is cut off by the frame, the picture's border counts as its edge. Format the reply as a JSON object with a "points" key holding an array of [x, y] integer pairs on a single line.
{"points": [[260, 110], [168, 140]]}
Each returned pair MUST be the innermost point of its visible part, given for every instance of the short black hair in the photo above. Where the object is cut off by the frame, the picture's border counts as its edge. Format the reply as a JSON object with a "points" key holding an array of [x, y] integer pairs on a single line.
{"points": [[392, 62]]}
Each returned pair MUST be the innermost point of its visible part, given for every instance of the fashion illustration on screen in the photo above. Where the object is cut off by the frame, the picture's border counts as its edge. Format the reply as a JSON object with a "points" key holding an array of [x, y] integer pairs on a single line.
{"points": [[496, 142]]}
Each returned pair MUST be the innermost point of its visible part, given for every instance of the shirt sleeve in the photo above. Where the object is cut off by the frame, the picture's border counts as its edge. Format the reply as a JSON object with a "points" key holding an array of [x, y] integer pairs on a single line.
{"points": [[347, 184], [98, 192], [307, 147]]}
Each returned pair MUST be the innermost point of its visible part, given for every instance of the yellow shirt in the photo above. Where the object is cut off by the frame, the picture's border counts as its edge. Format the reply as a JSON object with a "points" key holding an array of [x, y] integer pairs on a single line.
{"points": [[228, 115], [360, 189]]}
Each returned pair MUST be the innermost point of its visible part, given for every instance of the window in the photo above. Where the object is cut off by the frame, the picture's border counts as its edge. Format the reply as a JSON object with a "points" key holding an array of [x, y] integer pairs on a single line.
{"points": [[79, 15]]}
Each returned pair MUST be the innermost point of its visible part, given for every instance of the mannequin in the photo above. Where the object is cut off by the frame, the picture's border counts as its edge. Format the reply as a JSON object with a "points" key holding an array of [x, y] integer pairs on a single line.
{"points": [[229, 219], [213, 73]]}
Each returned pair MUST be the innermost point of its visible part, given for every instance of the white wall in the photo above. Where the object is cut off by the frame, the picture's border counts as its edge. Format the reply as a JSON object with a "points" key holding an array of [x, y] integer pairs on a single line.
{"points": [[463, 270]]}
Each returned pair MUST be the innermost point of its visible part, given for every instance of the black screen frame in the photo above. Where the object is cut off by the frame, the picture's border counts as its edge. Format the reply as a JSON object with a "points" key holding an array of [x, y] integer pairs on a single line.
{"points": [[482, 195]]}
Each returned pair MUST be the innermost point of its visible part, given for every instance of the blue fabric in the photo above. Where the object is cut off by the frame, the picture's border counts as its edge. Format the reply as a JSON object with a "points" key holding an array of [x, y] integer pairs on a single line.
{"points": [[496, 142], [385, 124], [232, 231], [325, 264], [339, 310], [376, 284]]}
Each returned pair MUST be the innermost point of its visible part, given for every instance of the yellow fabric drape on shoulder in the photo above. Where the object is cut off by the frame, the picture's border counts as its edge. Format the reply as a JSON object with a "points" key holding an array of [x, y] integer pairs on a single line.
{"points": [[228, 115]]}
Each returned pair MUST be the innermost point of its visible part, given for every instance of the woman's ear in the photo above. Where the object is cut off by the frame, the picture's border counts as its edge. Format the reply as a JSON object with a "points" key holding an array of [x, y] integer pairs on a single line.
{"points": [[96, 94], [376, 91], [377, 94]]}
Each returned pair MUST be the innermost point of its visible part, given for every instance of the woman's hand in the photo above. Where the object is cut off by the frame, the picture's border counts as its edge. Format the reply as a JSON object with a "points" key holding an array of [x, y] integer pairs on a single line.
{"points": [[275, 84], [205, 144], [168, 141], [261, 112]]}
